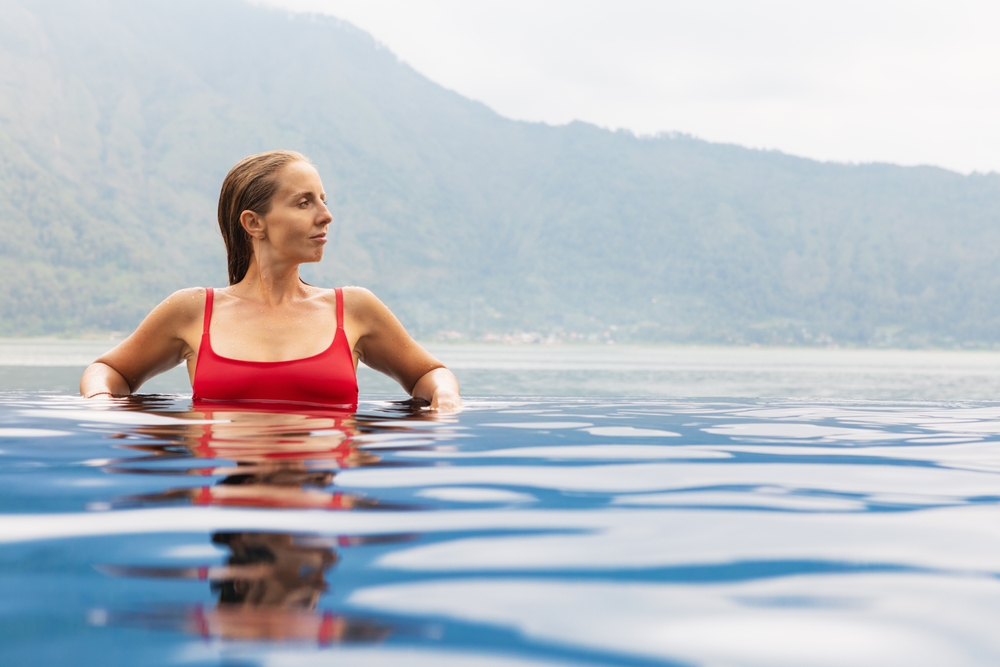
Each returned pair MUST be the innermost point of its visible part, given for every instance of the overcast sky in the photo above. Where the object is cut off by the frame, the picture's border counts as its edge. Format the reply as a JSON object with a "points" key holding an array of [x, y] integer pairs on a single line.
{"points": [[904, 81]]}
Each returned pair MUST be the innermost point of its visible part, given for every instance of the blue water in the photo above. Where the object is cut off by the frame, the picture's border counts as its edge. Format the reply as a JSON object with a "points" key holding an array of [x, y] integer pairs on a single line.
{"points": [[520, 532]]}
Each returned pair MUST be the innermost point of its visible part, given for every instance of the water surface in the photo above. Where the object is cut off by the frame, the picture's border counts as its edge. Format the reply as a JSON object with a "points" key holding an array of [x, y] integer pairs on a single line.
{"points": [[594, 531]]}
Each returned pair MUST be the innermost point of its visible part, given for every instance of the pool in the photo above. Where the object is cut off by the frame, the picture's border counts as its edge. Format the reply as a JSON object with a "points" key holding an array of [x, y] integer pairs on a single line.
{"points": [[581, 531]]}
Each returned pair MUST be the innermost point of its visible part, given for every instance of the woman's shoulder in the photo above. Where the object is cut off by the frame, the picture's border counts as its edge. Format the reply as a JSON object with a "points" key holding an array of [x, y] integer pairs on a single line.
{"points": [[360, 304], [360, 300], [178, 314], [356, 293], [188, 297], [187, 303]]}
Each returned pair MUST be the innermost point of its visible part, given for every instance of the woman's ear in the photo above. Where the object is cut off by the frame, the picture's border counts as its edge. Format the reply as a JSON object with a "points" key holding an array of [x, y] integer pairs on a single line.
{"points": [[253, 224]]}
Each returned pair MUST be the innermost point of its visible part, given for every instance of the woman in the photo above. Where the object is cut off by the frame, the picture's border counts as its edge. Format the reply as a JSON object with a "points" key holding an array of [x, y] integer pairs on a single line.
{"points": [[267, 336]]}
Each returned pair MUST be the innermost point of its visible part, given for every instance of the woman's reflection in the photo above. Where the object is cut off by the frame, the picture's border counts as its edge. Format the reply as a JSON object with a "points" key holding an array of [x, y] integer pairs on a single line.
{"points": [[268, 589], [268, 458]]}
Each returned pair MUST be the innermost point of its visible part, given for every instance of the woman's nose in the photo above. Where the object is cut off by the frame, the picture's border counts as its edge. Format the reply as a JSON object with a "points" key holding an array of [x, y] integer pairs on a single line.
{"points": [[325, 217]]}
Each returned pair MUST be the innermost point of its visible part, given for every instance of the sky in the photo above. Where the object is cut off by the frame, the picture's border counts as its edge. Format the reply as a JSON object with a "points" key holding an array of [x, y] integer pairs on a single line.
{"points": [[907, 82]]}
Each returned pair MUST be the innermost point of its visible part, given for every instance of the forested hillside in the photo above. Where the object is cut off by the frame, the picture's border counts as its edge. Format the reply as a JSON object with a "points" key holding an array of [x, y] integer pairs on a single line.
{"points": [[119, 119]]}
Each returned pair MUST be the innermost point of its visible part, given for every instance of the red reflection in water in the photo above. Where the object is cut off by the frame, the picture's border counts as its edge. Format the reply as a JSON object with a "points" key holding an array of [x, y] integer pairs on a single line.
{"points": [[267, 456]]}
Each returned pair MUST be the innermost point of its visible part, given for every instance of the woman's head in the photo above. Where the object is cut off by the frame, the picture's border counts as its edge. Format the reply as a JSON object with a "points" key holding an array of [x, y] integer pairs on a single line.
{"points": [[249, 186]]}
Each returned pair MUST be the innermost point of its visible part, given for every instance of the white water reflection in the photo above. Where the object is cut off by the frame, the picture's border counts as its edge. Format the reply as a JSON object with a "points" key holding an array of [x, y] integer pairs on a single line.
{"points": [[959, 453], [112, 416], [357, 657], [616, 452], [804, 432], [645, 477], [859, 620], [463, 494], [956, 539], [630, 432], [541, 426], [31, 433], [966, 539], [762, 498]]}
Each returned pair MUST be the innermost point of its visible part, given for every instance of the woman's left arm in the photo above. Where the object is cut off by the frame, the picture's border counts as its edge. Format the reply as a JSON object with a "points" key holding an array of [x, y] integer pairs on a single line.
{"points": [[384, 345]]}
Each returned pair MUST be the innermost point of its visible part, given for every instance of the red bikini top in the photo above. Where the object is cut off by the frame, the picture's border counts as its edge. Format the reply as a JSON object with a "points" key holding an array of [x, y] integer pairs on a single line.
{"points": [[327, 378]]}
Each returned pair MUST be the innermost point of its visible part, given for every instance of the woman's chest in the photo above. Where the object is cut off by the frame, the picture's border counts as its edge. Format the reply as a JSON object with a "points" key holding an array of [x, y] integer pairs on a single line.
{"points": [[255, 334]]}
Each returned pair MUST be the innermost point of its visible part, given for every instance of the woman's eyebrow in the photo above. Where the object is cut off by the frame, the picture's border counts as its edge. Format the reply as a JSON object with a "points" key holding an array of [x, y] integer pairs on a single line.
{"points": [[307, 193]]}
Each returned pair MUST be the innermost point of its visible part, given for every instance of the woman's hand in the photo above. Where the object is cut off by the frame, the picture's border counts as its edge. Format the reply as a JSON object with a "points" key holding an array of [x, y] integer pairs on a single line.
{"points": [[101, 380], [439, 387], [446, 402]]}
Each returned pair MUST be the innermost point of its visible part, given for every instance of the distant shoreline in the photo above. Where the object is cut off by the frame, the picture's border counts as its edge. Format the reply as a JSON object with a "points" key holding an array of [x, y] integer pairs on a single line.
{"points": [[658, 371], [113, 338]]}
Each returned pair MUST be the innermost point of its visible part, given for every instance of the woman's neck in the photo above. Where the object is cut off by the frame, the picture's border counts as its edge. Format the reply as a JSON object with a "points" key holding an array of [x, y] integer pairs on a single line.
{"points": [[270, 284]]}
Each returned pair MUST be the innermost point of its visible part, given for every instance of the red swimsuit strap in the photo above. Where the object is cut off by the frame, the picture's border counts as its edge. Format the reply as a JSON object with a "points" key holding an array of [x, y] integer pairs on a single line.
{"points": [[209, 298], [340, 307]]}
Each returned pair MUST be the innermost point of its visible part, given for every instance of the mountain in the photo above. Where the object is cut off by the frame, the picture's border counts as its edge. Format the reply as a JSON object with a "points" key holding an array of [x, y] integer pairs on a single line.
{"points": [[119, 119]]}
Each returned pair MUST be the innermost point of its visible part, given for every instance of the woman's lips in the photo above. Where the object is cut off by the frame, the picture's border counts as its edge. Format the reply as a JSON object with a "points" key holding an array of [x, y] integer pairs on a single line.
{"points": [[319, 237]]}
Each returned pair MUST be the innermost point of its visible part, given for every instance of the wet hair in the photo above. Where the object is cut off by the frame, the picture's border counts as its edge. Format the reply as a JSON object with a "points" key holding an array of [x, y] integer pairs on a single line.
{"points": [[249, 186]]}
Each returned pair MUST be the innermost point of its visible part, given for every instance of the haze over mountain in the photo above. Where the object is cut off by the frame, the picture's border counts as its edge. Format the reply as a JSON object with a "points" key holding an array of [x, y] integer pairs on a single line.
{"points": [[118, 121]]}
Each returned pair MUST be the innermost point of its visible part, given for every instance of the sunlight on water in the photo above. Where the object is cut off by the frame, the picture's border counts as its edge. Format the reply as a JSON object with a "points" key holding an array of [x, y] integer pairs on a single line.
{"points": [[532, 532]]}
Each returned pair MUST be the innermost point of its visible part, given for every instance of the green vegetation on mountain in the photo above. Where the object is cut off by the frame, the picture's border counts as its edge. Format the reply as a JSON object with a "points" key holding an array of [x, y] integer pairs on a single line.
{"points": [[119, 119]]}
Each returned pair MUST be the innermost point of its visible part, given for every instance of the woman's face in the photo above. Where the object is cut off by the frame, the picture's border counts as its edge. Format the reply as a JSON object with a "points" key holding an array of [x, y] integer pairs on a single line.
{"points": [[295, 227]]}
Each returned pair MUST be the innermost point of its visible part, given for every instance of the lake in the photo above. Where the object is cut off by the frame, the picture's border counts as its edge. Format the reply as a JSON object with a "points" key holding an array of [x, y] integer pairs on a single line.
{"points": [[607, 370], [591, 506]]}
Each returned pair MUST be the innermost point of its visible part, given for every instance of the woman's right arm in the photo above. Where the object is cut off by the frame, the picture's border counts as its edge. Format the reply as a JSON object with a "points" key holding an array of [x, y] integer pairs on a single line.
{"points": [[164, 339]]}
